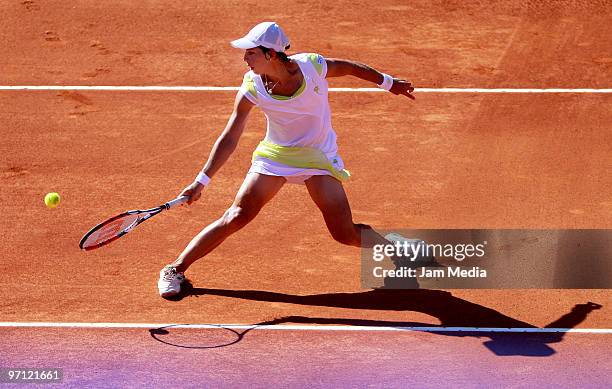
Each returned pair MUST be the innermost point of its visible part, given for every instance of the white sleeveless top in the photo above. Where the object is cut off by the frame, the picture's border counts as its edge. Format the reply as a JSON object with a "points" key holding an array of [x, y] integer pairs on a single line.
{"points": [[303, 120]]}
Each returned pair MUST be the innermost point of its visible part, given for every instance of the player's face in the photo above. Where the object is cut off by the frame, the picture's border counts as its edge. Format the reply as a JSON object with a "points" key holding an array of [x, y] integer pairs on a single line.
{"points": [[256, 60]]}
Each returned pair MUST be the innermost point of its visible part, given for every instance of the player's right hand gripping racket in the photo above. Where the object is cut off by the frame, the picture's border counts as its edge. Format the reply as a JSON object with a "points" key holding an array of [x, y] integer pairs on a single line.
{"points": [[117, 226]]}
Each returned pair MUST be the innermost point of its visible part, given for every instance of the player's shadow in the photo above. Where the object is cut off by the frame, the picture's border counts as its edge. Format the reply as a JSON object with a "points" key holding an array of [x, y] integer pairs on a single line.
{"points": [[450, 310]]}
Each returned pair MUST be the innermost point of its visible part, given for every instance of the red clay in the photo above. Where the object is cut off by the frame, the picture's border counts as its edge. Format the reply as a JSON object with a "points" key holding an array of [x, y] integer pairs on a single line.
{"points": [[444, 161]]}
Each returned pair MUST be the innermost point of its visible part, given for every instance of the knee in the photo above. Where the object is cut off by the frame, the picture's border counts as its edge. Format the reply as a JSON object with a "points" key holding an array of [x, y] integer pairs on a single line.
{"points": [[237, 217]]}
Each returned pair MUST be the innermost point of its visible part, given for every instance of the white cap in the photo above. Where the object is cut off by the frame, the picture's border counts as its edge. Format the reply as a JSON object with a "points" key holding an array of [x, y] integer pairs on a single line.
{"points": [[266, 34]]}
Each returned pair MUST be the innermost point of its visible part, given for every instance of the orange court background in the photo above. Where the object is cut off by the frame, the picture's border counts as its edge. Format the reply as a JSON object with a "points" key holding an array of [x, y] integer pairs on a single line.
{"points": [[446, 160]]}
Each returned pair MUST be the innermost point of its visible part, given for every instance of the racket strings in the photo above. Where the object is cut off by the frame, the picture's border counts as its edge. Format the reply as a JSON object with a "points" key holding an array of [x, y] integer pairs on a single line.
{"points": [[111, 229]]}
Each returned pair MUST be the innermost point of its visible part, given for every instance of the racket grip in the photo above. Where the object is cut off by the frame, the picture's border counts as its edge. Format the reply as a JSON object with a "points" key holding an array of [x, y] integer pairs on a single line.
{"points": [[176, 201]]}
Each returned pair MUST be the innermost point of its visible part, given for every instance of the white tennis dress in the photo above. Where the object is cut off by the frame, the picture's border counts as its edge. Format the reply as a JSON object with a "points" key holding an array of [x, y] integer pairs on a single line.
{"points": [[302, 120]]}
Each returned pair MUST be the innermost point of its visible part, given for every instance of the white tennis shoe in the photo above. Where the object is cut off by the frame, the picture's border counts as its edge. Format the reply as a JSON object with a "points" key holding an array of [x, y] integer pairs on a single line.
{"points": [[170, 281]]}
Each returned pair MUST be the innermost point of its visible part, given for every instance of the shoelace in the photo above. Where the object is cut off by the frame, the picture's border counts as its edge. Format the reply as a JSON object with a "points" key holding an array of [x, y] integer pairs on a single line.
{"points": [[170, 274]]}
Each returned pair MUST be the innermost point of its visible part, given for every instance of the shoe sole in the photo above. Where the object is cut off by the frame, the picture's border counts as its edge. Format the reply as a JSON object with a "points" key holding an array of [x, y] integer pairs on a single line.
{"points": [[169, 294]]}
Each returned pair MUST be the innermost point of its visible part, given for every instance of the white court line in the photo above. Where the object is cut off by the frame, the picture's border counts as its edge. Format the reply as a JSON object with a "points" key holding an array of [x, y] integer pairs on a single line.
{"points": [[231, 88], [301, 327]]}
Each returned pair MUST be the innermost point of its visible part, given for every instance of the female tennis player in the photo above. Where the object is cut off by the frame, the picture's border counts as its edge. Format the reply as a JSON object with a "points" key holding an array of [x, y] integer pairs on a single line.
{"points": [[299, 146]]}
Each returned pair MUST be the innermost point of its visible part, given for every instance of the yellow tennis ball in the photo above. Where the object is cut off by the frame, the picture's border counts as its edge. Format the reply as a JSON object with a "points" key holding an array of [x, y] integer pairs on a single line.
{"points": [[52, 200]]}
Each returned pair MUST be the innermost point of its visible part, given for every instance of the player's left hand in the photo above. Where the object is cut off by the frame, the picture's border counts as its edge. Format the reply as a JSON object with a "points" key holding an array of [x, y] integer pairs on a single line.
{"points": [[402, 87]]}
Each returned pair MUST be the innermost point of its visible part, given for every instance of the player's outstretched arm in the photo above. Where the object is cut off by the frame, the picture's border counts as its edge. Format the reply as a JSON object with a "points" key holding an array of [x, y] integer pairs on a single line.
{"points": [[342, 67], [224, 146]]}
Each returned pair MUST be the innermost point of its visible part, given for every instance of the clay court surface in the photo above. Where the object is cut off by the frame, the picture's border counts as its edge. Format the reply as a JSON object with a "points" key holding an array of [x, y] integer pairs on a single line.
{"points": [[446, 160]]}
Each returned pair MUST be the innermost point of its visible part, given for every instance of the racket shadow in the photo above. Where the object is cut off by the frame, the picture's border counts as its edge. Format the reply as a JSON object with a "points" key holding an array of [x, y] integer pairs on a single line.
{"points": [[164, 335]]}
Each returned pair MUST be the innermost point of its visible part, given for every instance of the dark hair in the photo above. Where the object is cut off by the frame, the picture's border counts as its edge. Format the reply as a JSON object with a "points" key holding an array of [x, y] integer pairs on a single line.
{"points": [[280, 55]]}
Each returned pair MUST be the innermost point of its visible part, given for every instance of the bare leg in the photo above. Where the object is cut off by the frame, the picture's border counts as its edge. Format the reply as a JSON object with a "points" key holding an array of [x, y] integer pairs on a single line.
{"points": [[255, 192], [329, 195]]}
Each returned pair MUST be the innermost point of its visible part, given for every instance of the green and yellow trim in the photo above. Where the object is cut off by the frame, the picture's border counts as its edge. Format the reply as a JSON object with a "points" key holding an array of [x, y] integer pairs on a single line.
{"points": [[299, 157], [296, 94], [249, 84], [314, 60]]}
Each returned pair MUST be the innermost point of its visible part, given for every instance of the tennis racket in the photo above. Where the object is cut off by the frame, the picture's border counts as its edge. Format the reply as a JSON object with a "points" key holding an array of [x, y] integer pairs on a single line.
{"points": [[117, 226]]}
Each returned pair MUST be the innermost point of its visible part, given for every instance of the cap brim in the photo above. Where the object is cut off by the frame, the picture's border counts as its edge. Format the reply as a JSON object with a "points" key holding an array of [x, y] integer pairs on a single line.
{"points": [[243, 43]]}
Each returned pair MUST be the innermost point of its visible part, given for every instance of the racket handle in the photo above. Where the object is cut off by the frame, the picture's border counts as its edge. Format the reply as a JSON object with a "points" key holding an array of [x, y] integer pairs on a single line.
{"points": [[176, 201]]}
